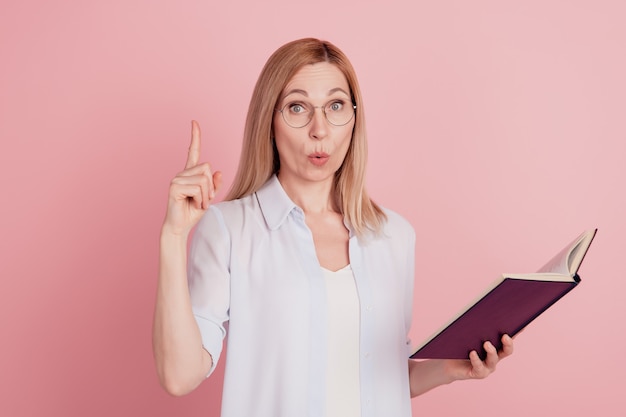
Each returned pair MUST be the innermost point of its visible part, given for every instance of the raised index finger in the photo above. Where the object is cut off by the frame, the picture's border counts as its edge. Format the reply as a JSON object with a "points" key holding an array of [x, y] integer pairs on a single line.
{"points": [[194, 148]]}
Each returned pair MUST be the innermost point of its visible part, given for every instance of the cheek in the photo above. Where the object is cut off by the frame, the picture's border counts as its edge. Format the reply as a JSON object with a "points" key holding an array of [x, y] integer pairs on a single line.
{"points": [[347, 138], [280, 148], [345, 145], [285, 145]]}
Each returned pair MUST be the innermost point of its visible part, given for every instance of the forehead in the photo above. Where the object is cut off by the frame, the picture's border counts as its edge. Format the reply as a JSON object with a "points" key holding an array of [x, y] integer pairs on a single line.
{"points": [[318, 78]]}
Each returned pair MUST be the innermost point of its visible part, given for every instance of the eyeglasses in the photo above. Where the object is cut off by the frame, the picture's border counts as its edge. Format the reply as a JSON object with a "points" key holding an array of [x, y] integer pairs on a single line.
{"points": [[298, 114]]}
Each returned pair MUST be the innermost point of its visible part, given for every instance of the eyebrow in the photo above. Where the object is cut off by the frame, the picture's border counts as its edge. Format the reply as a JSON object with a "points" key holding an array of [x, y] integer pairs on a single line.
{"points": [[304, 93]]}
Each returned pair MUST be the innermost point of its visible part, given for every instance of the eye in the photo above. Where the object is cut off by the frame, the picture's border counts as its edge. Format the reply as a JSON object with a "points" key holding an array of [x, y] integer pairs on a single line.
{"points": [[335, 106], [296, 108]]}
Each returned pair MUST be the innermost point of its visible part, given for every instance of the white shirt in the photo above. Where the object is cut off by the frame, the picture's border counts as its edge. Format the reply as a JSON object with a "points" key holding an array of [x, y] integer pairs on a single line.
{"points": [[343, 387], [253, 264]]}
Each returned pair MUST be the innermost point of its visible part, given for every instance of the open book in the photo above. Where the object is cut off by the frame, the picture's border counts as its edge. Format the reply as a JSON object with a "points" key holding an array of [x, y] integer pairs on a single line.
{"points": [[507, 306]]}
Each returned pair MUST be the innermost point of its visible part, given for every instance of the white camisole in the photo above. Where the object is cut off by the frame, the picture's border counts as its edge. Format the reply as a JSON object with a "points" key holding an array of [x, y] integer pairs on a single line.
{"points": [[343, 398]]}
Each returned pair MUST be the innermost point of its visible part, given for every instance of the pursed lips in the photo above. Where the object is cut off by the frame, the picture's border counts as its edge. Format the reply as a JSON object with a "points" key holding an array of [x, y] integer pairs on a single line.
{"points": [[318, 158]]}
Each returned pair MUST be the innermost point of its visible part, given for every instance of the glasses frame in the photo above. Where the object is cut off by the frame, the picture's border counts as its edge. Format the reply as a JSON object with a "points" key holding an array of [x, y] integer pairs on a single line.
{"points": [[323, 108]]}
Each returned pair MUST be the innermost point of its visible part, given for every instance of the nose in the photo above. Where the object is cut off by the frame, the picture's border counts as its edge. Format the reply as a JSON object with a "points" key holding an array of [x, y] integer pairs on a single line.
{"points": [[318, 127]]}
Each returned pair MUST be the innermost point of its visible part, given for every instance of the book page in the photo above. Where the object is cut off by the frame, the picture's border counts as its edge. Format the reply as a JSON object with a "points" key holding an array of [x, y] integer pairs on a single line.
{"points": [[569, 259], [559, 264]]}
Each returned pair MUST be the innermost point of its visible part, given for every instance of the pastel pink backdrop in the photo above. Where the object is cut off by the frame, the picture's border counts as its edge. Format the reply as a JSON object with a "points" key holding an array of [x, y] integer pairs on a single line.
{"points": [[497, 128]]}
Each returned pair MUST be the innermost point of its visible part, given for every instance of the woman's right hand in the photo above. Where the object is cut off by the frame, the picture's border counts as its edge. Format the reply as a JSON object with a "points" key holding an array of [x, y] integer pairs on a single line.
{"points": [[191, 191]]}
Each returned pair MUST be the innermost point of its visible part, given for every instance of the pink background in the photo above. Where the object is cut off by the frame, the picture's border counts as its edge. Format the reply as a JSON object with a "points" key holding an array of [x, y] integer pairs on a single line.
{"points": [[496, 127]]}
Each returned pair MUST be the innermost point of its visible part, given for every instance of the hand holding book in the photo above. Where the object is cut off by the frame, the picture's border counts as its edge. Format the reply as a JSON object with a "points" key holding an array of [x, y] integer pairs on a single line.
{"points": [[426, 375], [476, 368]]}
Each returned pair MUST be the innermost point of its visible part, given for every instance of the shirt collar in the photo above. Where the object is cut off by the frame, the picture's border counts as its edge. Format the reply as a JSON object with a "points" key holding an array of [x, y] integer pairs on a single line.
{"points": [[274, 202], [276, 205]]}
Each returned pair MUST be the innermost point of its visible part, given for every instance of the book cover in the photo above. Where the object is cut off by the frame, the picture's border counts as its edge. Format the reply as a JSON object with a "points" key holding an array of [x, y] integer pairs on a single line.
{"points": [[507, 306]]}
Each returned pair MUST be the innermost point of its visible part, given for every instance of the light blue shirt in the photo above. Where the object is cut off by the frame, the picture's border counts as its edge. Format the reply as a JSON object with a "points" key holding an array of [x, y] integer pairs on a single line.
{"points": [[253, 270]]}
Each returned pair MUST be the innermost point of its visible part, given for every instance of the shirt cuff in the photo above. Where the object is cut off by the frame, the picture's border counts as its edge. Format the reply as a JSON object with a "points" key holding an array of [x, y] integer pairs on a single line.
{"points": [[212, 340]]}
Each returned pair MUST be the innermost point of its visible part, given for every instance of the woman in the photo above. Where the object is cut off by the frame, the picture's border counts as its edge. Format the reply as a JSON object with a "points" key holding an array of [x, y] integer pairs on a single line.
{"points": [[314, 279]]}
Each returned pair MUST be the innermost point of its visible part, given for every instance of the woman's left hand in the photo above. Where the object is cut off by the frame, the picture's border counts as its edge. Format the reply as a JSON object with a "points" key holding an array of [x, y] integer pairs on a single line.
{"points": [[428, 374], [474, 368]]}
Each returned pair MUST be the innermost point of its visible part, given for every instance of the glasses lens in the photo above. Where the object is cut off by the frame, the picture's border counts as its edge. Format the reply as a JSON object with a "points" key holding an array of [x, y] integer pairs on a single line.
{"points": [[339, 112], [297, 114]]}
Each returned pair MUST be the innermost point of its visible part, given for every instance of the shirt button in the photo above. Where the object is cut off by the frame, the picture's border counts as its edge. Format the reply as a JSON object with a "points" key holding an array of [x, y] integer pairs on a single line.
{"points": [[367, 354], [369, 308]]}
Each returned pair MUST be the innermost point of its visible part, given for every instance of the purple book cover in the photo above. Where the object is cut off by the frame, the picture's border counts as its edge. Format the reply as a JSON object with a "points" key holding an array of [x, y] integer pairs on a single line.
{"points": [[506, 309]]}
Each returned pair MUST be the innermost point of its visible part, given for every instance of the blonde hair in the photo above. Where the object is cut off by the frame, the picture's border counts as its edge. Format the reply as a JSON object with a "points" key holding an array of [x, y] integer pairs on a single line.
{"points": [[259, 157]]}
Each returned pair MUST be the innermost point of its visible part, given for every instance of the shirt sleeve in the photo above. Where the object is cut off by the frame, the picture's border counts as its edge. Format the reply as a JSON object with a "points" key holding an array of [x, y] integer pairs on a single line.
{"points": [[208, 274]]}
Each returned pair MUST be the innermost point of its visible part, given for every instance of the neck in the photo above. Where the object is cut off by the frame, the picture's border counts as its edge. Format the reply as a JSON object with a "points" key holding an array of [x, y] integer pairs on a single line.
{"points": [[311, 197]]}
